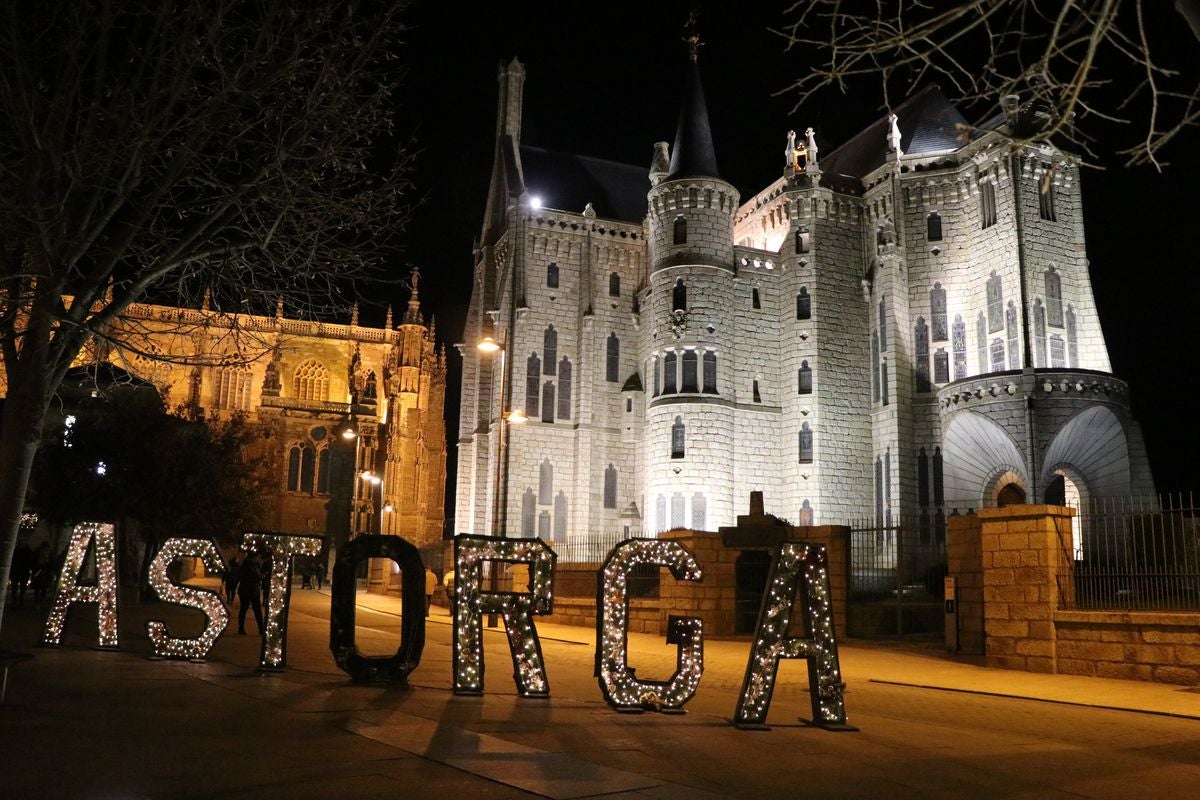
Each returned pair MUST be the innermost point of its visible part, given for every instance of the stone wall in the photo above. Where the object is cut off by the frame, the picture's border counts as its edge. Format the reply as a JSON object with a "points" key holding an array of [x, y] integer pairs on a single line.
{"points": [[1126, 644]]}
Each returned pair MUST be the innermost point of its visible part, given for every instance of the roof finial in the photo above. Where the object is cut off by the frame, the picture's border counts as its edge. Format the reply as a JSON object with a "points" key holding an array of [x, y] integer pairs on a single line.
{"points": [[693, 36], [412, 315]]}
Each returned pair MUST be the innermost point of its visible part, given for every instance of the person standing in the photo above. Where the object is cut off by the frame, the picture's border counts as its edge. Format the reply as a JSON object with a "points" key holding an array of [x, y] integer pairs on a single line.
{"points": [[249, 596], [231, 580], [430, 586]]}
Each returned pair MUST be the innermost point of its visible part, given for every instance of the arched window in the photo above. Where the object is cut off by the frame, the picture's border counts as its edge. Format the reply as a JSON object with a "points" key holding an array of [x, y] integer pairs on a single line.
{"points": [[679, 296], [678, 448], [533, 379], [689, 371], [981, 342], [552, 275], [1010, 322], [1054, 305], [883, 382], [1058, 352], [323, 458], [1039, 332], [612, 370], [232, 390], [804, 379], [987, 204], [545, 482], [528, 513], [560, 516], [921, 342], [680, 230], [699, 511], [544, 525], [548, 401], [922, 478], [678, 510], [657, 380], [1046, 200], [710, 372], [995, 303], [933, 227], [610, 487], [669, 361], [803, 240], [875, 366], [806, 444], [614, 285], [883, 344], [549, 350], [878, 495], [939, 487], [803, 304], [997, 354], [311, 381], [941, 366], [754, 300], [301, 466], [755, 395], [959, 341], [937, 313], [660, 512], [1072, 339], [293, 472], [564, 388], [806, 514]]}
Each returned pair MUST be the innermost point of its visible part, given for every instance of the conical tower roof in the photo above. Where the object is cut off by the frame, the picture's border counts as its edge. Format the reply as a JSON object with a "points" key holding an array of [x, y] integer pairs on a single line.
{"points": [[693, 155]]}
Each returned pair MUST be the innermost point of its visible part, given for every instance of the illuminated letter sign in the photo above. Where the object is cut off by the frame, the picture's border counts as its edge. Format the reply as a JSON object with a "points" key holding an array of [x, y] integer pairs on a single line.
{"points": [[281, 548], [69, 590], [620, 686], [205, 600], [378, 669], [796, 566], [518, 609]]}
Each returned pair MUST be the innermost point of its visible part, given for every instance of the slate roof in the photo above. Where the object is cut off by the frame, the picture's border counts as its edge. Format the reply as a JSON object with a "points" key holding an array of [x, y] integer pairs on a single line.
{"points": [[693, 155], [569, 182], [927, 125]]}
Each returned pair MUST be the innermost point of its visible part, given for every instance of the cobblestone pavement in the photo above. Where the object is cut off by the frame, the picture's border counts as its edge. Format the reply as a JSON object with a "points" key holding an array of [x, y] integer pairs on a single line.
{"points": [[85, 723]]}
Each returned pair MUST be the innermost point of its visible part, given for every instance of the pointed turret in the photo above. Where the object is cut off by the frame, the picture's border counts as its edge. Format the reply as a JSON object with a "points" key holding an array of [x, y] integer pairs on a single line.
{"points": [[693, 155]]}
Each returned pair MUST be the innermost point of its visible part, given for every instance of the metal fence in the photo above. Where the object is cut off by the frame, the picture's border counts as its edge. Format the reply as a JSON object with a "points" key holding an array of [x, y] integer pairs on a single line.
{"points": [[578, 562], [896, 578], [1133, 554]]}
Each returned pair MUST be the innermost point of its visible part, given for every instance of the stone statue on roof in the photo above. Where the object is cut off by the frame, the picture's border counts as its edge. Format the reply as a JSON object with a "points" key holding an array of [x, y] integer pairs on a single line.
{"points": [[893, 137], [789, 152], [810, 147]]}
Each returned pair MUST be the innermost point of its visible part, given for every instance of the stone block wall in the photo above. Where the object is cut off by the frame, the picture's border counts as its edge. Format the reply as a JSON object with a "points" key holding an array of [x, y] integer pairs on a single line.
{"points": [[1145, 646], [964, 560]]}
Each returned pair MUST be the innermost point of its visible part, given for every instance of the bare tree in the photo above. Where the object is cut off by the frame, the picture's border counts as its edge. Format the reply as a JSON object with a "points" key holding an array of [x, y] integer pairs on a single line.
{"points": [[163, 148], [1065, 69]]}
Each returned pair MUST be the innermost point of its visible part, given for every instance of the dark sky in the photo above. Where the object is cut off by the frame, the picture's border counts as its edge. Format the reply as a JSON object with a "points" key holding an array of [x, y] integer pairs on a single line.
{"points": [[604, 80]]}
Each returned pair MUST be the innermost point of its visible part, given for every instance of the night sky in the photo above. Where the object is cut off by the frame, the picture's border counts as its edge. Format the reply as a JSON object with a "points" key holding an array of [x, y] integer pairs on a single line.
{"points": [[605, 80]]}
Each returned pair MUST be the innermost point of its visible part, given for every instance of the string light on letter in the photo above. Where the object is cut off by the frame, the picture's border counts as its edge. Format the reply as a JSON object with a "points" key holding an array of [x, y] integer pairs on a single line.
{"points": [[517, 608], [205, 600], [803, 567], [378, 669], [103, 594], [281, 549], [620, 686]]}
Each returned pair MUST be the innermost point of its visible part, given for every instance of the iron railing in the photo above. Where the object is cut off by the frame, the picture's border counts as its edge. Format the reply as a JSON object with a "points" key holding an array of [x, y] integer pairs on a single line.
{"points": [[896, 577], [578, 562], [1132, 554]]}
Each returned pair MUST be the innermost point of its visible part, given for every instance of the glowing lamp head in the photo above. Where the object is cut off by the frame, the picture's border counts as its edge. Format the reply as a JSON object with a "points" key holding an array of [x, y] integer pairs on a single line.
{"points": [[535, 201], [366, 474], [349, 434], [517, 417], [488, 345]]}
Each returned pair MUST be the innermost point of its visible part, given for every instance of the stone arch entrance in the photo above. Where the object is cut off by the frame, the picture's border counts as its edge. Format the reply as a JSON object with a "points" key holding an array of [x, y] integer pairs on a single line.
{"points": [[1010, 494]]}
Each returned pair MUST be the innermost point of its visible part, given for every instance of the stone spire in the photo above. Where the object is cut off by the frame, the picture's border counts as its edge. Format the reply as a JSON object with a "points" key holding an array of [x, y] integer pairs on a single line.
{"points": [[412, 314], [693, 155]]}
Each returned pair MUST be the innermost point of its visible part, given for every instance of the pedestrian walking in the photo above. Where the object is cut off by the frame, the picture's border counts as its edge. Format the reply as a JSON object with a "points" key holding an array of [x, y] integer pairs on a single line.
{"points": [[249, 596], [430, 585], [321, 571]]}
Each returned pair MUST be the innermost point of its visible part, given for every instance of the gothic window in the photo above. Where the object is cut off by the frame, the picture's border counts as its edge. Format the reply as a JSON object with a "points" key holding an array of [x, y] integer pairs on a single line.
{"points": [[1014, 350], [669, 361], [997, 355], [806, 514], [549, 350], [528, 513], [878, 491], [311, 381], [1054, 306], [699, 511], [693, 197], [981, 342], [614, 285], [710, 372], [937, 312], [1072, 339], [806, 444], [560, 516], [544, 525], [677, 439], [628, 405], [610, 487], [995, 304], [875, 365], [301, 466], [679, 296], [803, 240], [552, 275], [660, 512], [922, 478], [933, 227], [803, 304], [939, 487], [1046, 200], [533, 379], [548, 401], [689, 371], [233, 388], [883, 323], [323, 456], [680, 230], [987, 204], [941, 366], [678, 510], [654, 368], [883, 382], [754, 301], [887, 483], [754, 392], [804, 379], [564, 388], [612, 369], [921, 337], [545, 482], [1039, 331], [959, 342], [1058, 355]]}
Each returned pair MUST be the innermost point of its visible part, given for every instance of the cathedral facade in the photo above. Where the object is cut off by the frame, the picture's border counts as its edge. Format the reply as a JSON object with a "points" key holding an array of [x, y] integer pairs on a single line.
{"points": [[896, 329]]}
